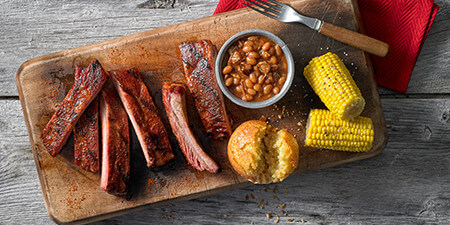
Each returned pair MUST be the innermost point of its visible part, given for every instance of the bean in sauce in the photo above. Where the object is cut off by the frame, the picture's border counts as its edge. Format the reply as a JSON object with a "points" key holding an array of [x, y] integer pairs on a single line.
{"points": [[256, 69]]}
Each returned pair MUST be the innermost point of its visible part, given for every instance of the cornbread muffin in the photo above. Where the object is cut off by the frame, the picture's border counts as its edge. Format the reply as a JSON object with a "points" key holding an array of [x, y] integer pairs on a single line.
{"points": [[261, 153]]}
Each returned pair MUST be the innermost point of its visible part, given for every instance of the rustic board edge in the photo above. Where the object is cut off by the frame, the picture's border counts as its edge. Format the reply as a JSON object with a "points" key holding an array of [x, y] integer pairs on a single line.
{"points": [[149, 206], [360, 28], [32, 143], [77, 50], [30, 63]]}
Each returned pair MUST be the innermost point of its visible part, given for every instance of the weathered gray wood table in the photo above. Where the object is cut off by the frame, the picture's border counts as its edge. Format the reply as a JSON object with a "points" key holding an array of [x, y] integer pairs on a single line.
{"points": [[408, 183]]}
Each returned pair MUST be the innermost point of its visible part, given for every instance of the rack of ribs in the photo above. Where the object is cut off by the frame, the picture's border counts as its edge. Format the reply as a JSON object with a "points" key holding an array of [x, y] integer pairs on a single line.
{"points": [[174, 98], [115, 143], [85, 134], [142, 111], [84, 90], [198, 62]]}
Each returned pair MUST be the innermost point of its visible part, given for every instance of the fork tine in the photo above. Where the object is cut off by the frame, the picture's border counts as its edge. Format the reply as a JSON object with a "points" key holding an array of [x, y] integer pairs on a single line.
{"points": [[268, 4], [263, 7], [260, 11], [275, 2]]}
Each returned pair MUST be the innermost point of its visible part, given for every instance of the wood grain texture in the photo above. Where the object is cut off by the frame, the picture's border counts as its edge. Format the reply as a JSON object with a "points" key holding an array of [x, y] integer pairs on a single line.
{"points": [[355, 39], [408, 183], [396, 187], [431, 73], [61, 25], [44, 81], [19, 185]]}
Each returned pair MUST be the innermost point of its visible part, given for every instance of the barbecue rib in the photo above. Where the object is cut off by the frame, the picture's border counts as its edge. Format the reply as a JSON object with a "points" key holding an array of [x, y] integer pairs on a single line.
{"points": [[174, 98], [198, 61], [58, 129], [85, 133], [142, 111], [115, 143]]}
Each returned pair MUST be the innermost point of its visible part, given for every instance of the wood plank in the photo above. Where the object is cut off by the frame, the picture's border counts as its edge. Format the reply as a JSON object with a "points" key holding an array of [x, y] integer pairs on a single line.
{"points": [[44, 81], [408, 183], [26, 34], [19, 184], [427, 199], [430, 75], [61, 26]]}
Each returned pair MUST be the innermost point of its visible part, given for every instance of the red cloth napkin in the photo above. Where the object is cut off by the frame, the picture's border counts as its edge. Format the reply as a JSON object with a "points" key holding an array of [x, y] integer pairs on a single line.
{"points": [[403, 24]]}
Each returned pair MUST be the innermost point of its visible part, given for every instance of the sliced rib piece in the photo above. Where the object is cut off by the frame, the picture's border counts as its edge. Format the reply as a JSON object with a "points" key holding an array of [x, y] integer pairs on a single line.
{"points": [[143, 114], [174, 98], [86, 140], [58, 129], [198, 61], [115, 143], [85, 133]]}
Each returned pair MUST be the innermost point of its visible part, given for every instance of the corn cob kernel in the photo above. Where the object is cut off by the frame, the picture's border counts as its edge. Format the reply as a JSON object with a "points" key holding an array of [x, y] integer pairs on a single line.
{"points": [[326, 130], [332, 82]]}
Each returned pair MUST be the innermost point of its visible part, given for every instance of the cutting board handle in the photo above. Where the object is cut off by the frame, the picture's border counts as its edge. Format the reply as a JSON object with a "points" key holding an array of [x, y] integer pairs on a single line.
{"points": [[355, 39]]}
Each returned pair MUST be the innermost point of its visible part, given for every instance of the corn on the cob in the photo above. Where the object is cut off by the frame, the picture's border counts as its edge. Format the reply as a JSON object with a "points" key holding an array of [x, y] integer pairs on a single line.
{"points": [[325, 130], [332, 82]]}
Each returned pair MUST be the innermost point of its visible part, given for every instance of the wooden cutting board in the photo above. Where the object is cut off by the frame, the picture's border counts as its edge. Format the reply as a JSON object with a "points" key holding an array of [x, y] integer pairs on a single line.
{"points": [[73, 195]]}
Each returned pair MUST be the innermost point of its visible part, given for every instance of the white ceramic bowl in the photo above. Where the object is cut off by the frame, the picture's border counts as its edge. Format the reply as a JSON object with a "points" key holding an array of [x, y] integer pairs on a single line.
{"points": [[222, 59]]}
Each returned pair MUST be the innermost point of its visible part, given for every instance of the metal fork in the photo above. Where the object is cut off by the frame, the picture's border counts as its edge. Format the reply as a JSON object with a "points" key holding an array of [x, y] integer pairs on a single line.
{"points": [[284, 13]]}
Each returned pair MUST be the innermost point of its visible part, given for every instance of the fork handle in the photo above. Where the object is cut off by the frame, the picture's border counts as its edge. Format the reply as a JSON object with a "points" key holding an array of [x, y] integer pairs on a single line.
{"points": [[355, 39]]}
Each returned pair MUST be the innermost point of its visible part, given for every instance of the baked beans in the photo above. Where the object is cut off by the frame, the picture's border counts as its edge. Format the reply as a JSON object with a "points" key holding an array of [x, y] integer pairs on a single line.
{"points": [[256, 69]]}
